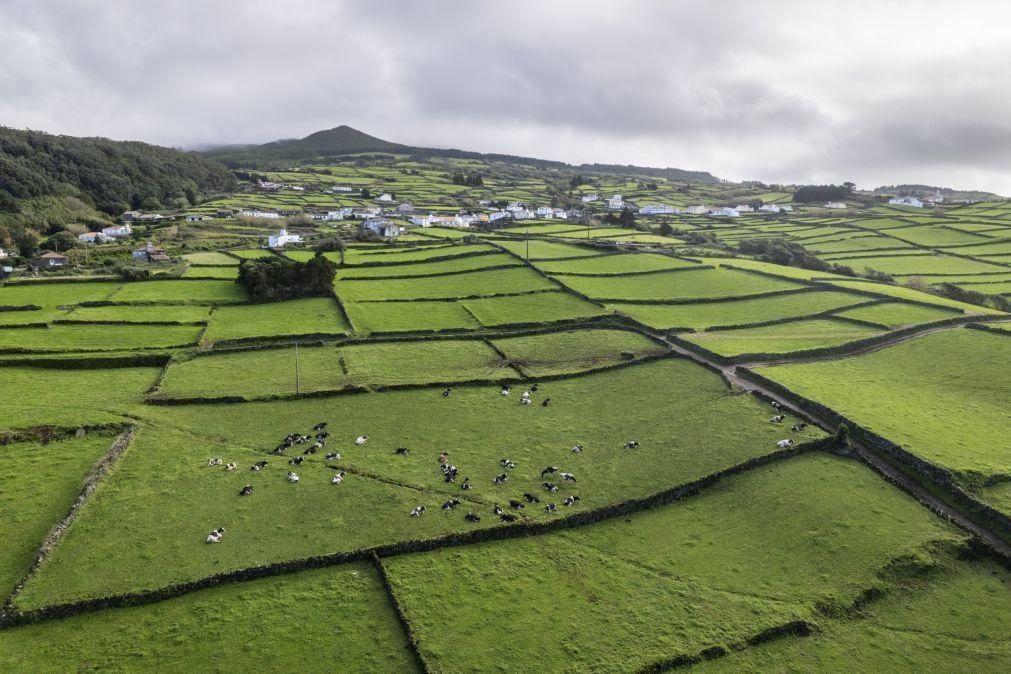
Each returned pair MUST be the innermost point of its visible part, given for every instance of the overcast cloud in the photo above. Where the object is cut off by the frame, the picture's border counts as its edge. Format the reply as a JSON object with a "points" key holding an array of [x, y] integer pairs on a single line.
{"points": [[875, 92]]}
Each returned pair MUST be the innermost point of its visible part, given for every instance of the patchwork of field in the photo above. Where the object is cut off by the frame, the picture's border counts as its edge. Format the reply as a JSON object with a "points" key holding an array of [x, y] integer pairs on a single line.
{"points": [[582, 483]]}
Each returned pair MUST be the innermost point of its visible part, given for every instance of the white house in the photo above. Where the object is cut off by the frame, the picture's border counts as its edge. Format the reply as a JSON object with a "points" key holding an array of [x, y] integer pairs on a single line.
{"points": [[723, 212], [836, 205], [382, 227], [384, 197], [697, 210], [906, 201], [267, 185], [589, 198], [515, 206], [282, 239], [93, 237], [366, 213], [544, 211], [616, 202], [257, 213], [523, 214], [4, 254], [484, 202], [406, 207], [420, 220], [744, 208], [296, 188], [658, 210], [559, 213], [769, 208], [341, 188], [498, 215], [117, 231]]}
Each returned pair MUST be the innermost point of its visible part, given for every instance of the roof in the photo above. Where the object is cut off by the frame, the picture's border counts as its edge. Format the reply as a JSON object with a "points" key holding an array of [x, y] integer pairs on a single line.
{"points": [[52, 256]]}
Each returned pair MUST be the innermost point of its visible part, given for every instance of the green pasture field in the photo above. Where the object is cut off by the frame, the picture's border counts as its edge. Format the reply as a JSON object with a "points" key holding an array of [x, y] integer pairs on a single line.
{"points": [[29, 317], [947, 395], [796, 273], [163, 498], [442, 232], [675, 286], [86, 337], [703, 315], [358, 256], [898, 314], [859, 244], [40, 484], [968, 278], [336, 619], [574, 350], [408, 316], [782, 337], [469, 284], [470, 263], [905, 293], [983, 249], [251, 253], [991, 288], [212, 272], [137, 314], [34, 396], [272, 371], [187, 292], [299, 255], [277, 319], [547, 250], [628, 263], [551, 229], [649, 238], [673, 581], [211, 258], [935, 236], [52, 295], [952, 620], [531, 308], [920, 264]]}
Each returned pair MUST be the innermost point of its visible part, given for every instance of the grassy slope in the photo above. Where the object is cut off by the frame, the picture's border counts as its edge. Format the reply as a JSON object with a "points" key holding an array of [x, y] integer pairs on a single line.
{"points": [[98, 337], [706, 283], [491, 282], [782, 337], [898, 314], [294, 317], [574, 350]]}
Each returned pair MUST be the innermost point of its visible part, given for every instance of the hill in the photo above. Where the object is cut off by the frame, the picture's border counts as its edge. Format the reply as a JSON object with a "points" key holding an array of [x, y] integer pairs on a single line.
{"points": [[108, 176]]}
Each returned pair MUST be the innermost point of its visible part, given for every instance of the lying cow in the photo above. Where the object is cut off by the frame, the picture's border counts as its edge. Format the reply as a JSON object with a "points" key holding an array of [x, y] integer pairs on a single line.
{"points": [[338, 478], [246, 491], [258, 466], [292, 477], [783, 444], [361, 440]]}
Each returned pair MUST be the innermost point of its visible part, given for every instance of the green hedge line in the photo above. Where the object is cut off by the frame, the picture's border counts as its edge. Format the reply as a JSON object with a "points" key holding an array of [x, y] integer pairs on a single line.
{"points": [[460, 298], [319, 337], [97, 362], [402, 277], [47, 434], [795, 628], [20, 307], [520, 529], [936, 476], [703, 300], [987, 328], [405, 623], [632, 273], [437, 258], [64, 321], [15, 326], [61, 279], [806, 317]]}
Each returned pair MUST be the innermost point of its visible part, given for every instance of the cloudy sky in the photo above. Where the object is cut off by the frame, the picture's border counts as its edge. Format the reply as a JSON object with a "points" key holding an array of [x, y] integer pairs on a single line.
{"points": [[875, 92]]}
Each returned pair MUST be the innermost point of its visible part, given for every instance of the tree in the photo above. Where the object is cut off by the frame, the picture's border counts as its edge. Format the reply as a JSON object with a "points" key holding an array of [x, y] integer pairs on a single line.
{"points": [[365, 193], [666, 229], [627, 218], [61, 241], [332, 244], [274, 278]]}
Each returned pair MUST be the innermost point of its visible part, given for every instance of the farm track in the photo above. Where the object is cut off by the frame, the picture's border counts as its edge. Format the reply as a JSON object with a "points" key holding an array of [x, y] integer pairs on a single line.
{"points": [[864, 453]]}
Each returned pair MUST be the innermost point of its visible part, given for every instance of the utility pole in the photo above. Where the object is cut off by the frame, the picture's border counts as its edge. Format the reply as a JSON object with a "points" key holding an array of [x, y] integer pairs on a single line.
{"points": [[528, 242], [298, 383]]}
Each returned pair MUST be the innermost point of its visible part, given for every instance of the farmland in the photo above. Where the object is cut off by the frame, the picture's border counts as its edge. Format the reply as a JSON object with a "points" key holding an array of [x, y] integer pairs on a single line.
{"points": [[566, 401]]}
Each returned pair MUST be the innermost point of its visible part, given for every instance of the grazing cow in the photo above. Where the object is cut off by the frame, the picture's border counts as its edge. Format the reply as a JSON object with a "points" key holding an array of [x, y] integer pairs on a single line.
{"points": [[501, 479], [775, 405], [361, 439], [506, 389], [445, 394], [551, 487], [231, 466], [632, 444], [402, 450], [338, 478], [571, 500], [311, 450], [323, 435], [506, 463], [568, 477], [296, 461], [333, 456], [798, 427], [778, 419], [450, 504], [280, 449], [526, 401], [534, 388], [783, 444], [547, 401], [531, 498], [550, 470], [526, 394], [320, 426], [513, 503], [246, 491], [577, 449], [498, 509], [507, 517], [215, 536], [418, 511], [292, 477], [302, 439], [471, 517], [215, 462], [551, 507], [466, 484], [258, 466]]}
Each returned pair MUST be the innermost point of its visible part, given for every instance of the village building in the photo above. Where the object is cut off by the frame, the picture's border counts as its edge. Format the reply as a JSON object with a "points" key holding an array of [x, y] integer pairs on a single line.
{"points": [[341, 188], [523, 214], [589, 198], [50, 260], [744, 208], [906, 201], [93, 237], [129, 216], [659, 210], [117, 231], [257, 213], [385, 197], [224, 213], [616, 202], [195, 217], [406, 207], [495, 216], [697, 210], [381, 226], [723, 212], [836, 205], [150, 254], [4, 254], [282, 239]]}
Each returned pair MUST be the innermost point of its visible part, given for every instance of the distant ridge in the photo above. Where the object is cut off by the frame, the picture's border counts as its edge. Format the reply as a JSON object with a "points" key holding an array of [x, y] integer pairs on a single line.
{"points": [[344, 140]]}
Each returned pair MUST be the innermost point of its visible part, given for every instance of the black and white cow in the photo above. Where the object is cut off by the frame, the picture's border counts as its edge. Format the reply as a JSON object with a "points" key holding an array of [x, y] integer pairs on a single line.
{"points": [[246, 491]]}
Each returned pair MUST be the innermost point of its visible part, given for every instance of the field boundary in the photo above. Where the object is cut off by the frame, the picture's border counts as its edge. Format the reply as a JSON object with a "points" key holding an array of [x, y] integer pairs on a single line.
{"points": [[412, 637], [15, 617], [794, 628]]}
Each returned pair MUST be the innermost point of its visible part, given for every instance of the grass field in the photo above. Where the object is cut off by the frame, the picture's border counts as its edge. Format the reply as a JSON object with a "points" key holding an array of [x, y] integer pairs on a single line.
{"points": [[947, 396], [898, 314], [782, 337], [700, 316], [615, 264], [137, 314], [52, 295], [84, 337], [408, 316], [546, 250], [676, 580], [212, 258], [314, 315], [904, 293], [531, 308], [460, 264], [574, 350], [186, 292], [469, 284], [677, 286], [212, 273]]}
